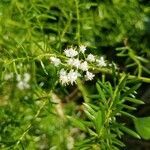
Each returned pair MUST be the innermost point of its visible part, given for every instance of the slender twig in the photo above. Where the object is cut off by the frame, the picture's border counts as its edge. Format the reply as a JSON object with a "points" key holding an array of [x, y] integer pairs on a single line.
{"points": [[78, 21], [30, 125], [83, 90], [108, 71]]}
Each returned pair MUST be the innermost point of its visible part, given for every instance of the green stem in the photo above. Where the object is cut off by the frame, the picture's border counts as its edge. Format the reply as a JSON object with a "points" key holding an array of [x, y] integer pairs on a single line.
{"points": [[65, 29], [78, 21], [30, 125], [108, 71], [36, 116], [83, 90]]}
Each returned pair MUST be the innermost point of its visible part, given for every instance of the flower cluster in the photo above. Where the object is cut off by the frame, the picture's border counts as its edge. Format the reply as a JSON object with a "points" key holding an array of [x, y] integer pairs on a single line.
{"points": [[23, 81], [8, 76], [55, 61], [77, 64]]}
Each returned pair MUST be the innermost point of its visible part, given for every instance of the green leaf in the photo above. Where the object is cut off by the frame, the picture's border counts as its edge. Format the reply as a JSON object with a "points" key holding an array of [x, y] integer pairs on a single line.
{"points": [[77, 123], [128, 107], [84, 143], [115, 74], [90, 116], [101, 93], [115, 148], [134, 100], [104, 86], [142, 126], [122, 55], [130, 132], [96, 96], [89, 111], [91, 132], [87, 5], [94, 107], [131, 90], [89, 108], [98, 121], [127, 114], [118, 142], [122, 82], [142, 59], [110, 89], [119, 87], [121, 48], [43, 67]]}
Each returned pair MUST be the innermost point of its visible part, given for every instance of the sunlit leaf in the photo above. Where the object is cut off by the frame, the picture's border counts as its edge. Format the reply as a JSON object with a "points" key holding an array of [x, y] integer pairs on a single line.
{"points": [[143, 127], [130, 132]]}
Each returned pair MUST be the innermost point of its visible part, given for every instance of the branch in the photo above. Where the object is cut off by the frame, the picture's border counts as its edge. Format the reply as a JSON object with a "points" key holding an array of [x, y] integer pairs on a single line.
{"points": [[108, 71]]}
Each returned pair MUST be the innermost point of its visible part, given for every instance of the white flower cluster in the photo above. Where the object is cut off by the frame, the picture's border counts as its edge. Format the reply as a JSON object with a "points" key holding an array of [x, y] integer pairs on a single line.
{"points": [[68, 77], [8, 76], [23, 81], [75, 65], [70, 52], [55, 61]]}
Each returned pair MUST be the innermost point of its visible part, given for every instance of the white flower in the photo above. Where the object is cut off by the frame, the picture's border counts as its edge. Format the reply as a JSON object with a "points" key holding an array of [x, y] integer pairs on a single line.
{"points": [[70, 143], [8, 76], [89, 76], [101, 62], [20, 85], [23, 81], [90, 58], [26, 97], [66, 78], [74, 62], [18, 77], [70, 61], [23, 85], [26, 77], [70, 52], [84, 66], [41, 84], [63, 78], [55, 61], [63, 72], [72, 76], [82, 48]]}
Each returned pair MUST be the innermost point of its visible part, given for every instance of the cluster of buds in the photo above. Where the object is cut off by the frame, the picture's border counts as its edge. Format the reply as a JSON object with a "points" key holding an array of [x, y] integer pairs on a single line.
{"points": [[76, 64]]}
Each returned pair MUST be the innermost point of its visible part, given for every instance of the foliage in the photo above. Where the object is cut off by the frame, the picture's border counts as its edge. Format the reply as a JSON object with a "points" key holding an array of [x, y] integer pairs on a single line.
{"points": [[100, 124], [144, 131], [36, 111]]}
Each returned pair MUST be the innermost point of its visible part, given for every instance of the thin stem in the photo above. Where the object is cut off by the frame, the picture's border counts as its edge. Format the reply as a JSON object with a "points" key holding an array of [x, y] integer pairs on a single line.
{"points": [[107, 117], [29, 126], [38, 113], [67, 26], [83, 90], [68, 23], [132, 56], [78, 21], [108, 71]]}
